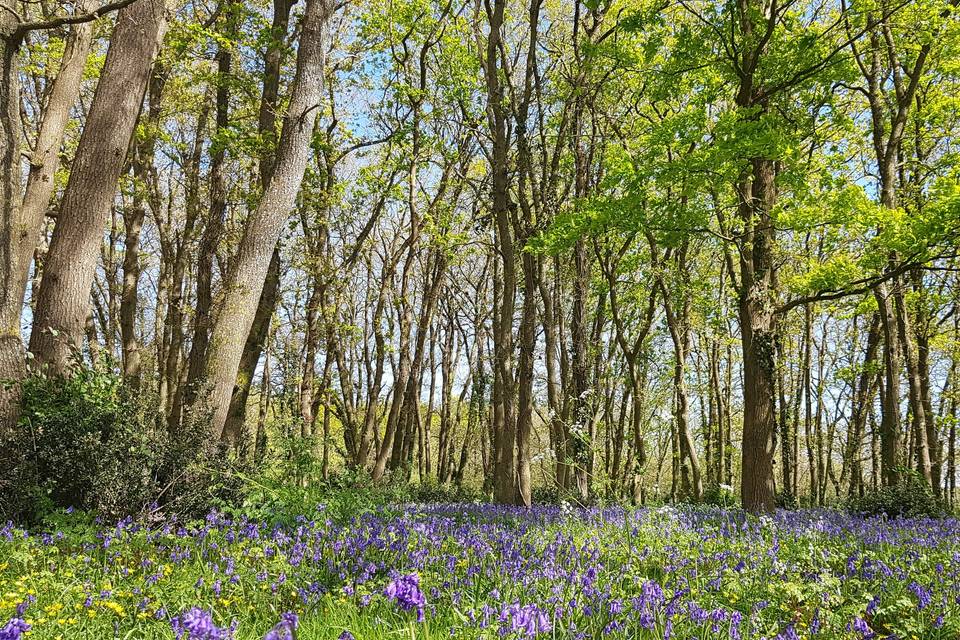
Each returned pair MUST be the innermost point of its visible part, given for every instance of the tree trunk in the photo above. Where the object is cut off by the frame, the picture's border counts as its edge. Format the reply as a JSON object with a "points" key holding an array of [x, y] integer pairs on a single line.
{"points": [[267, 120], [22, 224], [862, 399], [216, 214], [264, 225], [890, 407], [17, 237], [527, 339], [504, 425], [68, 273], [917, 408], [756, 301]]}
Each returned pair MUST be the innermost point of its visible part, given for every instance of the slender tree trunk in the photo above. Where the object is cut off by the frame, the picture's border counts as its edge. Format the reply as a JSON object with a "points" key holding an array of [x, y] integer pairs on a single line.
{"points": [[22, 221], [917, 408], [17, 237], [267, 125], [527, 343], [216, 214], [863, 398], [678, 324], [890, 414]]}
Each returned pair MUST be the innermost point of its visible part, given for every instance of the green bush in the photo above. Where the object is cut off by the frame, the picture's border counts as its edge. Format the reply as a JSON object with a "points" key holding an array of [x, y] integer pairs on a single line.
{"points": [[787, 500], [911, 496], [719, 495], [82, 442], [90, 443]]}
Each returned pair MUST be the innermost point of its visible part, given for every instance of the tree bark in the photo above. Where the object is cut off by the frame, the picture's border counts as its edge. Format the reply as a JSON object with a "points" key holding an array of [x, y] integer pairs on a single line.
{"points": [[757, 196], [267, 119], [504, 425], [263, 227], [22, 224], [216, 214], [64, 298], [17, 237]]}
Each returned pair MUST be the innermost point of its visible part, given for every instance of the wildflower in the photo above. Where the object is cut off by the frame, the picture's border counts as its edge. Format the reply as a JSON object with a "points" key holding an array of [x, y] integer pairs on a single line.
{"points": [[197, 624], [922, 593], [286, 629], [815, 623], [346, 635], [14, 629], [788, 634], [735, 619], [527, 620], [859, 625], [405, 591], [22, 607]]}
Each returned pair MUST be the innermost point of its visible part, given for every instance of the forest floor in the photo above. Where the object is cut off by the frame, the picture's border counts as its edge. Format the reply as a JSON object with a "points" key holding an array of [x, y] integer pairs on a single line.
{"points": [[484, 571]]}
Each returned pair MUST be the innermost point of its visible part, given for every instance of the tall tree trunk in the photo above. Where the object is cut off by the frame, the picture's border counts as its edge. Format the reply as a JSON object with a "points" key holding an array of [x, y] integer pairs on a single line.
{"points": [[527, 342], [860, 410], [216, 214], [64, 297], [23, 221], [917, 408], [504, 425], [757, 196], [133, 217], [17, 237], [267, 121], [264, 225], [890, 405]]}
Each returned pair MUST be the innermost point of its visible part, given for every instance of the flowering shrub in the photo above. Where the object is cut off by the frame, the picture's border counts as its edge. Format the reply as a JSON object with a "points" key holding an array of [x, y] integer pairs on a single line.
{"points": [[484, 571]]}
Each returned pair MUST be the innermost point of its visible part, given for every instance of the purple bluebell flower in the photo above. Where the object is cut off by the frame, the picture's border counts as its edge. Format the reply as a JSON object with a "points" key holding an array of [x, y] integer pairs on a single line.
{"points": [[859, 625], [285, 629], [14, 629], [404, 590], [197, 624], [922, 593]]}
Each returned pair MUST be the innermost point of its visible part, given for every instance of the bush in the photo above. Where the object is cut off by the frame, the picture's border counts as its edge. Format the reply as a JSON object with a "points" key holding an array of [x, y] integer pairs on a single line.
{"points": [[89, 442], [912, 496], [82, 442], [432, 491], [787, 500], [719, 495]]}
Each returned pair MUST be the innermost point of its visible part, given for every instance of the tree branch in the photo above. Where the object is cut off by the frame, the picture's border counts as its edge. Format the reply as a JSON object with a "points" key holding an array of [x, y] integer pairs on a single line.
{"points": [[857, 287], [60, 21]]}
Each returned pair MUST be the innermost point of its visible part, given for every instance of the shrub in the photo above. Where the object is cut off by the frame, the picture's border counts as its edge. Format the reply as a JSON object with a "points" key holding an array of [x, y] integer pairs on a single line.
{"points": [[431, 491], [787, 500], [911, 496], [82, 441], [89, 442], [719, 495]]}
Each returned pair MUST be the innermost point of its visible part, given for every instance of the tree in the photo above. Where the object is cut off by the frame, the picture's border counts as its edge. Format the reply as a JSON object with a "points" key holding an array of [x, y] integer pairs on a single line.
{"points": [[263, 226], [63, 301]]}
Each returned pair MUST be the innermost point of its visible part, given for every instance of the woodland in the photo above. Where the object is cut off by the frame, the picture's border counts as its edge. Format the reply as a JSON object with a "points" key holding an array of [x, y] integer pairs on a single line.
{"points": [[621, 249], [479, 318], [606, 248]]}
